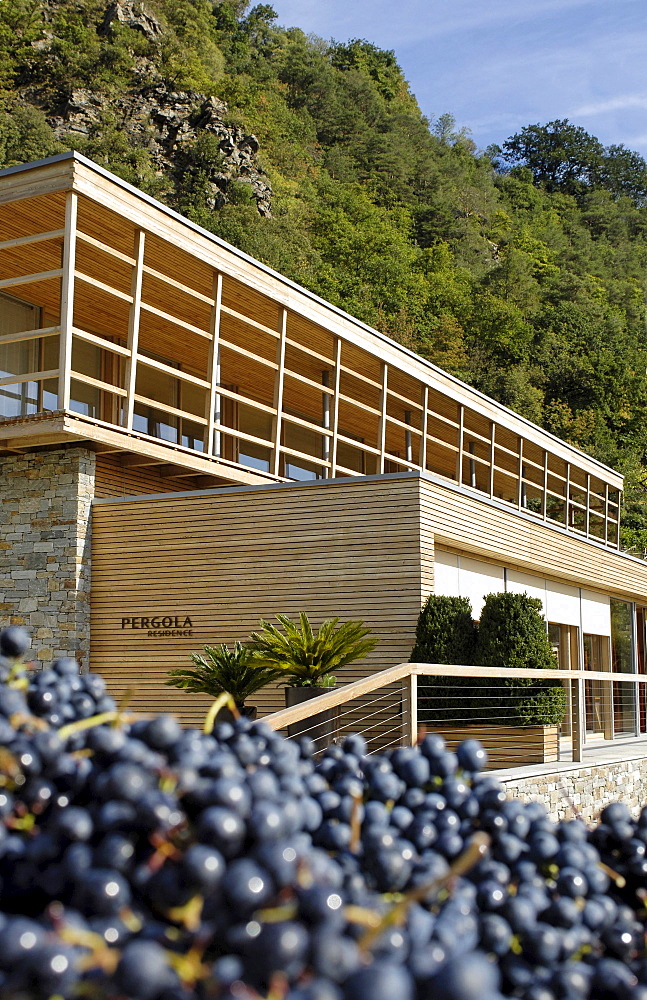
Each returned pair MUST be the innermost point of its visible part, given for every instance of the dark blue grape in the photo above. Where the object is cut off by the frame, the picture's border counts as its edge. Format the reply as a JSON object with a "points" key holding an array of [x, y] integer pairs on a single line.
{"points": [[471, 756], [14, 642], [470, 977], [380, 981], [143, 972]]}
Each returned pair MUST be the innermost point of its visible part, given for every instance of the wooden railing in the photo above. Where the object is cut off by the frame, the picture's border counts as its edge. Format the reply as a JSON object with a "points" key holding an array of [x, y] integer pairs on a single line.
{"points": [[404, 678]]}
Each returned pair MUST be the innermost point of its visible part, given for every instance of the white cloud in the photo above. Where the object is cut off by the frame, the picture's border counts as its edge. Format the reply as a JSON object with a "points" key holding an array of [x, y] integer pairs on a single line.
{"points": [[612, 104]]}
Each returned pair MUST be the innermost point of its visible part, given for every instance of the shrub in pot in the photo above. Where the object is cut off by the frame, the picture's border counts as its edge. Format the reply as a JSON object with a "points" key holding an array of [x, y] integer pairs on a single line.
{"points": [[308, 659], [219, 669], [445, 633], [512, 633]]}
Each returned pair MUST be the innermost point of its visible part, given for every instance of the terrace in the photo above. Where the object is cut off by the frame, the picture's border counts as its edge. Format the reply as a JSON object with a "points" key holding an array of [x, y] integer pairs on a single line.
{"points": [[125, 325]]}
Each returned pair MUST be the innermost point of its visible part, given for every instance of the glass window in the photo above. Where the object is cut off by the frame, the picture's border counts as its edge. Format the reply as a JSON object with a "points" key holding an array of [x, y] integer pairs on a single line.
{"points": [[86, 360], [622, 662], [163, 389], [22, 398]]}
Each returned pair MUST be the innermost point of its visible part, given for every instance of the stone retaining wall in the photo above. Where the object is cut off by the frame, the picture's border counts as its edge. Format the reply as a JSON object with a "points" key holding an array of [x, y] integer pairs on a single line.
{"points": [[45, 503], [586, 789]]}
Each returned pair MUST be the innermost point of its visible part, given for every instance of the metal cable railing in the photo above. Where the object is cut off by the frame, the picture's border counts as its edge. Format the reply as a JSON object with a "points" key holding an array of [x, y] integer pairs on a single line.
{"points": [[521, 716]]}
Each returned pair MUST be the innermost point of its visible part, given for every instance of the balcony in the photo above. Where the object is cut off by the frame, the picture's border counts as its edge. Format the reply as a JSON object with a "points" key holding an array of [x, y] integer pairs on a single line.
{"points": [[125, 325]]}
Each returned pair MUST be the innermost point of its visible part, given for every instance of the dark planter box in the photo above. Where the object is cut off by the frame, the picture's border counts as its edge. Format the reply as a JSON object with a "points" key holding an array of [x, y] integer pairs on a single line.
{"points": [[321, 727], [226, 715]]}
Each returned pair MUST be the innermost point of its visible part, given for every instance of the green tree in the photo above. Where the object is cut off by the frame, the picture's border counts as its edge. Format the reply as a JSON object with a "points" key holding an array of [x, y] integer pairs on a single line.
{"points": [[562, 156]]}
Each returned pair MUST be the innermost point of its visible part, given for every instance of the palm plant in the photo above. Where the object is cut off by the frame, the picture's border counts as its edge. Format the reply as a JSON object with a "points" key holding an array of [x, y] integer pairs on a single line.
{"points": [[219, 669], [309, 658]]}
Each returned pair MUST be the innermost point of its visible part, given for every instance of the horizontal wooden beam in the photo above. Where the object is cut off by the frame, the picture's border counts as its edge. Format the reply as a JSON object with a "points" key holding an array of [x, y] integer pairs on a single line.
{"points": [[19, 338], [248, 321], [97, 383], [154, 311], [26, 279], [102, 286], [29, 377], [21, 241], [159, 366], [165, 408], [173, 283], [105, 345]]}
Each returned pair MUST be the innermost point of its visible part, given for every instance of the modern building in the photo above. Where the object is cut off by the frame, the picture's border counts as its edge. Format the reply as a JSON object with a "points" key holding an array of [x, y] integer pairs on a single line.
{"points": [[190, 442]]}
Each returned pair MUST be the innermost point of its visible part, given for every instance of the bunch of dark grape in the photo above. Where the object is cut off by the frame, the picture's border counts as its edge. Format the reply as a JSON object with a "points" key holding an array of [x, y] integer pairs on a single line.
{"points": [[142, 860]]}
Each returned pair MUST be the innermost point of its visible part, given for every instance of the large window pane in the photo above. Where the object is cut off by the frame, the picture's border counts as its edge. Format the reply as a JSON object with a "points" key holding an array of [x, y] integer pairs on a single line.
{"points": [[86, 360], [162, 389], [21, 399], [623, 662]]}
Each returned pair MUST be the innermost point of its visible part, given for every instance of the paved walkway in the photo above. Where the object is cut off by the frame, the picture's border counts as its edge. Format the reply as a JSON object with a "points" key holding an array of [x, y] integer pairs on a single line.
{"points": [[597, 752]]}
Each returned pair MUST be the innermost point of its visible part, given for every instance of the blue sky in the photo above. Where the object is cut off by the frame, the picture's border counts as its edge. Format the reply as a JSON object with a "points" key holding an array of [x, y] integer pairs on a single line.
{"points": [[498, 65]]}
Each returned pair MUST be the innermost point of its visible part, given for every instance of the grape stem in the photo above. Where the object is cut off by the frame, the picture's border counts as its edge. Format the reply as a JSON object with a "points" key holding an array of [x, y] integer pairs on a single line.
{"points": [[475, 850], [223, 700]]}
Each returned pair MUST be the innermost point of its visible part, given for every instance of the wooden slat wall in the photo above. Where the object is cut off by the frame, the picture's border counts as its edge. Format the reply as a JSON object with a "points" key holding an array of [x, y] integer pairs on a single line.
{"points": [[116, 480], [228, 559], [467, 524]]}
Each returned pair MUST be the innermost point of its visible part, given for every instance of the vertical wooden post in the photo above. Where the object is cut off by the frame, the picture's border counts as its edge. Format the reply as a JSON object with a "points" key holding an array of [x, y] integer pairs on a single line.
{"points": [[67, 301], [544, 499], [606, 513], [471, 450], [325, 423], [459, 455], [492, 454], [408, 449], [335, 408], [385, 390], [133, 326], [520, 483], [618, 520], [635, 667], [567, 493], [577, 718], [607, 691], [213, 414], [278, 391], [425, 421], [565, 664], [410, 710], [588, 503]]}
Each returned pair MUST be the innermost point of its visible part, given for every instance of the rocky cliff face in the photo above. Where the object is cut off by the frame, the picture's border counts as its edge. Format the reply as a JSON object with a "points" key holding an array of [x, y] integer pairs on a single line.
{"points": [[167, 122]]}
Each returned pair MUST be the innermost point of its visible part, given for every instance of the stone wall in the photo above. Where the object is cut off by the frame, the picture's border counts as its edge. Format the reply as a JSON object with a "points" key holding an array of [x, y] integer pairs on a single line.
{"points": [[585, 790], [45, 503]]}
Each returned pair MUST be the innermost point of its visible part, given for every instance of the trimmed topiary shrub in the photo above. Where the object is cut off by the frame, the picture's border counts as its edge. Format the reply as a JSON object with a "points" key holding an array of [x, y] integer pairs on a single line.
{"points": [[512, 633], [445, 633]]}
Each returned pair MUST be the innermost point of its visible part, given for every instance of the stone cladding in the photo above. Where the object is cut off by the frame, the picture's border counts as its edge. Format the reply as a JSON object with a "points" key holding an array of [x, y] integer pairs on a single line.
{"points": [[584, 790], [45, 504]]}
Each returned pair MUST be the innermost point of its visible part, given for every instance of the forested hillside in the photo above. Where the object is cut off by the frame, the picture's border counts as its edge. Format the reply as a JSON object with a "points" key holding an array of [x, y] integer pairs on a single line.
{"points": [[520, 269]]}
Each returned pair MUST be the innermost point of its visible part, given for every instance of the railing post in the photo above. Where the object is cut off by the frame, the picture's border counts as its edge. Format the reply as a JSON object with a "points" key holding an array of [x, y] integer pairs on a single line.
{"points": [[577, 718], [410, 710]]}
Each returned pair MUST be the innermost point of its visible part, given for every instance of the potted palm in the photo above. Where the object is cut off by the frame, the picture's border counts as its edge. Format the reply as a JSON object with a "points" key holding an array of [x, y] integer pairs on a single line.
{"points": [[308, 660], [219, 669]]}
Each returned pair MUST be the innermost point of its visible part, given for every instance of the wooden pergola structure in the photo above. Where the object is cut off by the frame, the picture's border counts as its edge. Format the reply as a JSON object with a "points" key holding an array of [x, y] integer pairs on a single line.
{"points": [[131, 328]]}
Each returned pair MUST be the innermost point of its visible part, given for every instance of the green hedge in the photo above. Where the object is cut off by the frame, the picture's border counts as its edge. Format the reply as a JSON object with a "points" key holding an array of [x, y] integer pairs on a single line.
{"points": [[511, 633]]}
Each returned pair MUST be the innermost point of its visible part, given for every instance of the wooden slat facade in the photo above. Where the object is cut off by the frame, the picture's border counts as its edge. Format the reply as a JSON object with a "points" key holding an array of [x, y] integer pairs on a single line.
{"points": [[228, 558], [116, 479], [360, 548]]}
